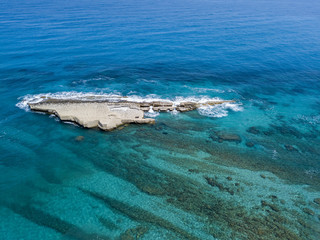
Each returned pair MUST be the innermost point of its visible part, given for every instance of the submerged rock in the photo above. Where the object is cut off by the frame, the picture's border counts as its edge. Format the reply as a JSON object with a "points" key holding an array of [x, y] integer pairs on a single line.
{"points": [[134, 233], [253, 130], [215, 183], [229, 178], [263, 176], [272, 206], [316, 200], [287, 130], [230, 137], [290, 148], [193, 170], [250, 144], [224, 136], [268, 133], [79, 138], [308, 211]]}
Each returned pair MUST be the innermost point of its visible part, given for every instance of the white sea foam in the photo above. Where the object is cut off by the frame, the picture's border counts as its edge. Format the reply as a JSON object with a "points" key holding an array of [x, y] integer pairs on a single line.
{"points": [[313, 119], [68, 122], [220, 110], [204, 90], [174, 112], [146, 80], [23, 103], [84, 81], [151, 113]]}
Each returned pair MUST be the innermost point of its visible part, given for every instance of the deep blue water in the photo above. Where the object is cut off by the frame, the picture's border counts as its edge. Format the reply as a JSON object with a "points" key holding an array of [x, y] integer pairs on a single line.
{"points": [[176, 179]]}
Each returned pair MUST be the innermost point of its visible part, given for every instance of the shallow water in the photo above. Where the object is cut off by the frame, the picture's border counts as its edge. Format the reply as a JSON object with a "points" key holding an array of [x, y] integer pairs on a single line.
{"points": [[246, 171]]}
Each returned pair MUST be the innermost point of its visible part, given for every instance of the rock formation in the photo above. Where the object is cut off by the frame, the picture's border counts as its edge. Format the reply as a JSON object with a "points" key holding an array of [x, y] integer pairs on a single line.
{"points": [[108, 115]]}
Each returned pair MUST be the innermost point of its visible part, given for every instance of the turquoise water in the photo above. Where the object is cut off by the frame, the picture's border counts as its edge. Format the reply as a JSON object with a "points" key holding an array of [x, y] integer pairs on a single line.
{"points": [[180, 178]]}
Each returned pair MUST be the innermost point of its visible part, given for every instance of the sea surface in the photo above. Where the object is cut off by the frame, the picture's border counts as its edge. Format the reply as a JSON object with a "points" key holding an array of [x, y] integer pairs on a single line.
{"points": [[245, 170]]}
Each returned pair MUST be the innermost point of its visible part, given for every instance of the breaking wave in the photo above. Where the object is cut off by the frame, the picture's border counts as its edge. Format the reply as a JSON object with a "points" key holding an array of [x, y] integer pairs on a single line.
{"points": [[151, 113], [220, 110]]}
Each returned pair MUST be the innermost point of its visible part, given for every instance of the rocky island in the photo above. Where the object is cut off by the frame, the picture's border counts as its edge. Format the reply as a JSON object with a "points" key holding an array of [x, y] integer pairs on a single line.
{"points": [[108, 115]]}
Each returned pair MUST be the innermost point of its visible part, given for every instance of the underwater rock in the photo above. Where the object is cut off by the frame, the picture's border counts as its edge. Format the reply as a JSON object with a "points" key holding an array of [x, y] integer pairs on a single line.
{"points": [[249, 144], [134, 233], [230, 137], [224, 136], [274, 198], [308, 211], [152, 190], [290, 147], [287, 130], [160, 126], [316, 200], [109, 224], [193, 170], [229, 178], [272, 206], [79, 138], [253, 130], [214, 183], [268, 133]]}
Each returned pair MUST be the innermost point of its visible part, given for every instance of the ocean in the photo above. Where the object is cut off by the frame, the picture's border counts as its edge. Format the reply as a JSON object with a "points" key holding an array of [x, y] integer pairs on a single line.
{"points": [[243, 170]]}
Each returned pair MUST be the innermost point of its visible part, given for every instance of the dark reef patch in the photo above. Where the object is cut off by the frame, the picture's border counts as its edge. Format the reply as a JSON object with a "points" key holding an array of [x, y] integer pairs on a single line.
{"points": [[253, 130], [220, 137]]}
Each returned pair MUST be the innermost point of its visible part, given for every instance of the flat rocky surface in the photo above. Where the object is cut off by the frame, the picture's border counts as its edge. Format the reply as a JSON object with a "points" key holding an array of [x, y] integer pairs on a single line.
{"points": [[108, 115]]}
